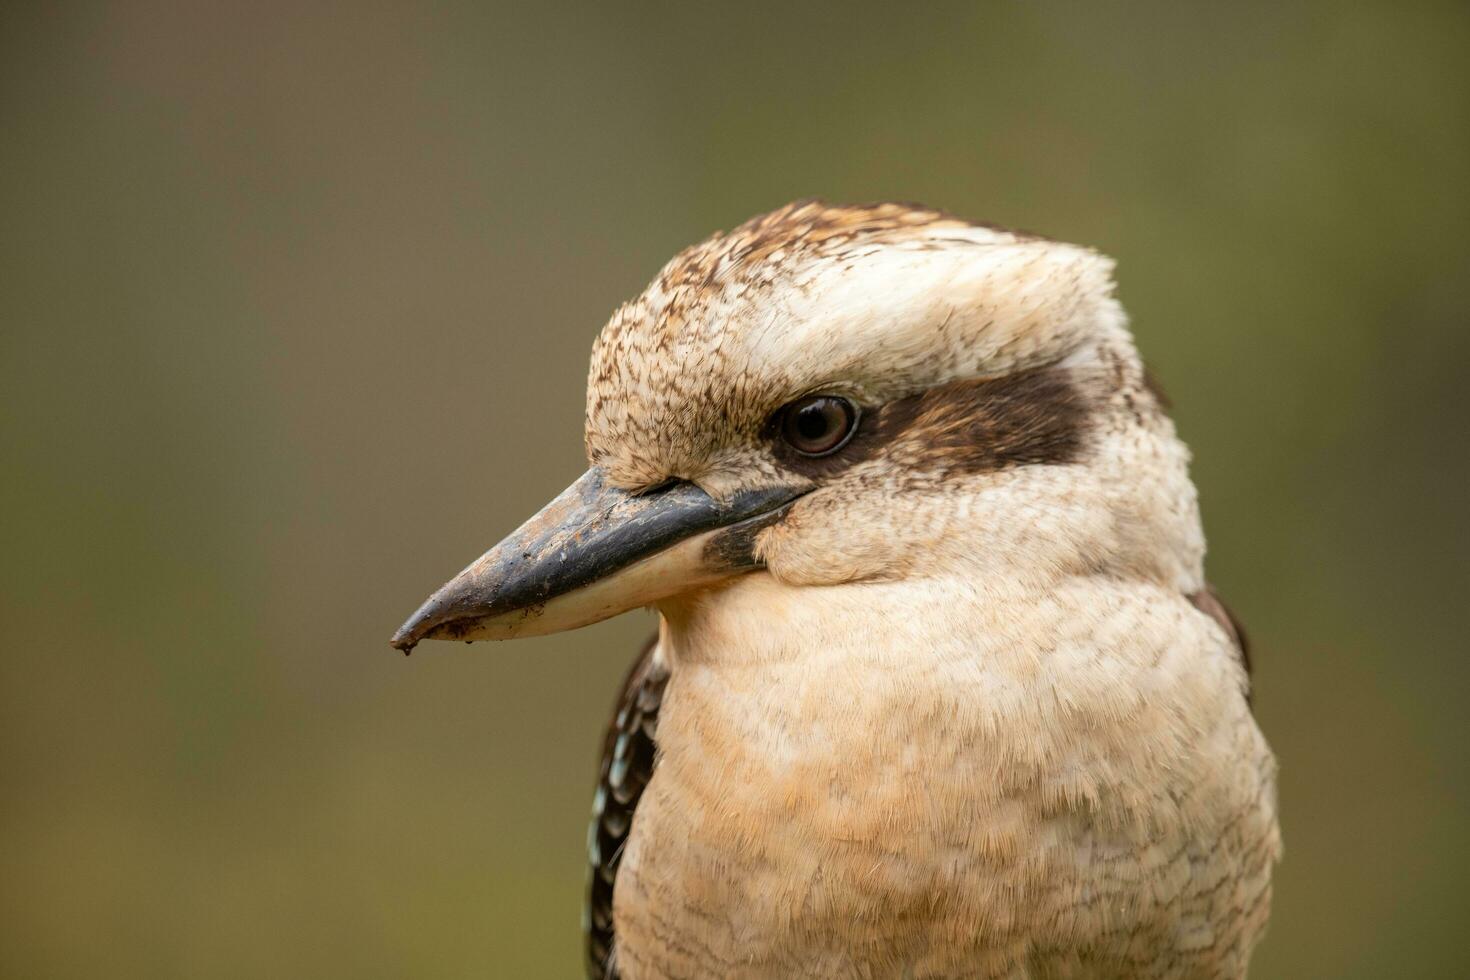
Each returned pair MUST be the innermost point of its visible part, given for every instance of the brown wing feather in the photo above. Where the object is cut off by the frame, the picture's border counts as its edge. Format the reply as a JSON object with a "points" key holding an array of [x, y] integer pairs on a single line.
{"points": [[627, 765], [1208, 601]]}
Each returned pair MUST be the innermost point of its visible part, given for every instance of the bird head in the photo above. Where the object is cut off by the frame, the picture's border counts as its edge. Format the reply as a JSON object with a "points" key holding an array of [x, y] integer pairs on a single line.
{"points": [[832, 395]]}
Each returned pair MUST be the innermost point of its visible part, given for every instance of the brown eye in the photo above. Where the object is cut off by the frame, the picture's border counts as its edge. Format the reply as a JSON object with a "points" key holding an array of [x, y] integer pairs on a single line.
{"points": [[818, 425]]}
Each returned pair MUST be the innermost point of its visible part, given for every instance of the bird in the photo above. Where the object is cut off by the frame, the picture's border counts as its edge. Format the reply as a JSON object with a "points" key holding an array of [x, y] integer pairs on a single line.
{"points": [[939, 688]]}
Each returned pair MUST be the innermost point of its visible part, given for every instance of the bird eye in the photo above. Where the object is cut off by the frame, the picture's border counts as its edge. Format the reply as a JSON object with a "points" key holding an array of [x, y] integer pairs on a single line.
{"points": [[819, 425]]}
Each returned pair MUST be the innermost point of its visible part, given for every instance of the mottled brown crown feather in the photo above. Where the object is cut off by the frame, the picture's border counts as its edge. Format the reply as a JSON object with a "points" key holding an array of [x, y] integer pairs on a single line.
{"points": [[805, 228]]}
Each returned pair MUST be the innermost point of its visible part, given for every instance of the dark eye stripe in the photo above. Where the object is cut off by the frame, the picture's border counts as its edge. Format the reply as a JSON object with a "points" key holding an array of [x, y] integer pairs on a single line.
{"points": [[1034, 417]]}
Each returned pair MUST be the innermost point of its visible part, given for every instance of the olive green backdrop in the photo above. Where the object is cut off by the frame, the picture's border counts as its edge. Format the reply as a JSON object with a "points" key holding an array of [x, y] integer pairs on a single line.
{"points": [[296, 304]]}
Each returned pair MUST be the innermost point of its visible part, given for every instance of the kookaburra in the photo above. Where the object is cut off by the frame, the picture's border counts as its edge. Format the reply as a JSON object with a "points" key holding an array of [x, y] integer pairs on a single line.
{"points": [[939, 689]]}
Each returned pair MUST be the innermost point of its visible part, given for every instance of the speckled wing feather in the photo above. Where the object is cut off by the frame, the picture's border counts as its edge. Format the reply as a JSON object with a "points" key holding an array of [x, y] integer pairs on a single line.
{"points": [[627, 765]]}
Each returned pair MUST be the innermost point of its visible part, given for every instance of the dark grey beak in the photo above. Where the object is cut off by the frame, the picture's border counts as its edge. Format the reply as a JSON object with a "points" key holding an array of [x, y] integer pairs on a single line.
{"points": [[596, 551]]}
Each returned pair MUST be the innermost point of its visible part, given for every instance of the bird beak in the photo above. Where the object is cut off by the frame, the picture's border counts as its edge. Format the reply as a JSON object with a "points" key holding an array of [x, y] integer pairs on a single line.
{"points": [[596, 551]]}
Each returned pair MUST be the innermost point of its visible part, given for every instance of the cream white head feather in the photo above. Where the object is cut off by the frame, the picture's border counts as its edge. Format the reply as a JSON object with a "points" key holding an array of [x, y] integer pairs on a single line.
{"points": [[1010, 335]]}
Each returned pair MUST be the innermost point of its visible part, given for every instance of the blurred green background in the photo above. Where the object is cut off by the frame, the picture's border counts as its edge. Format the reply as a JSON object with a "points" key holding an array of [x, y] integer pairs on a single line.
{"points": [[296, 304]]}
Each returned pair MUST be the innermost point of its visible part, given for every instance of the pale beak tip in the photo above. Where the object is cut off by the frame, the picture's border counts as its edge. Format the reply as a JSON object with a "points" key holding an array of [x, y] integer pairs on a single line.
{"points": [[418, 626]]}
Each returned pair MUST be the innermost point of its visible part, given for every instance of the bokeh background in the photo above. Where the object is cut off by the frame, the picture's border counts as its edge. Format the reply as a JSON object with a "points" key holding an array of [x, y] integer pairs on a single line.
{"points": [[295, 305]]}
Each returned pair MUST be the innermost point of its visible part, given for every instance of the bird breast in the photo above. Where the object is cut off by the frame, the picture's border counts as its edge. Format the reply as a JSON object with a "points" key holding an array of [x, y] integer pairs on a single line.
{"points": [[944, 777]]}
